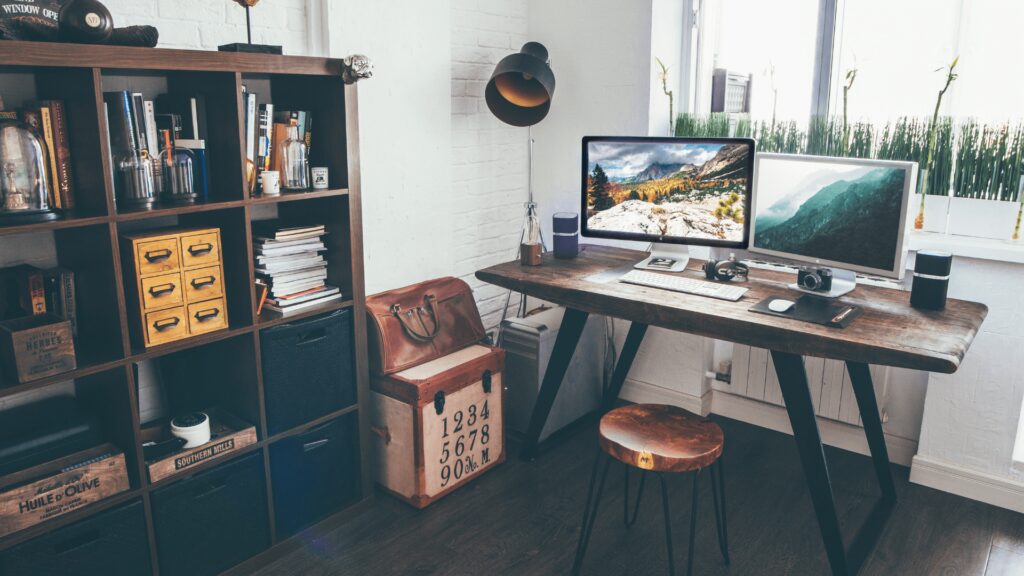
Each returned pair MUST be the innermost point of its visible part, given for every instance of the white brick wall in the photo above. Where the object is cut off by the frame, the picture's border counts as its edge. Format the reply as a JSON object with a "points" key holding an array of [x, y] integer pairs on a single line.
{"points": [[206, 24], [489, 158]]}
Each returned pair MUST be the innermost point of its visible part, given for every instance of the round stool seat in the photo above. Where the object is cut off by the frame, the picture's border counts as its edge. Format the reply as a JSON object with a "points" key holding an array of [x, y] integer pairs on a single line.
{"points": [[660, 438]]}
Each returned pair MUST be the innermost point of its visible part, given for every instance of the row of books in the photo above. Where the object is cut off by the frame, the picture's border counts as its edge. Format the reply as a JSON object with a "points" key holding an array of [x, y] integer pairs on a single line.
{"points": [[266, 129], [290, 267], [26, 290], [144, 128], [49, 122]]}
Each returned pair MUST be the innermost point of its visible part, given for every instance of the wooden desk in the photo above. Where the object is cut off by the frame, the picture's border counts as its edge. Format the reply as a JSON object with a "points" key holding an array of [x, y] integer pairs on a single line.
{"points": [[889, 332]]}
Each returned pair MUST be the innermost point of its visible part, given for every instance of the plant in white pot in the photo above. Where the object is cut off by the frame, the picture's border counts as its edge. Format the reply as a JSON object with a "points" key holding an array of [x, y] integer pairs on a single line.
{"points": [[932, 133], [989, 163]]}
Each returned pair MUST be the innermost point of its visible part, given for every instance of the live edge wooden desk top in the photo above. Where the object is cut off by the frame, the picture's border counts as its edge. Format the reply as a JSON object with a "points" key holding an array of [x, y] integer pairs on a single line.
{"points": [[889, 332]]}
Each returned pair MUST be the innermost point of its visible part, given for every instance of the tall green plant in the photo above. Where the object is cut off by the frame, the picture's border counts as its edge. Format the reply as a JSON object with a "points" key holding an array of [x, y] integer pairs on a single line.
{"points": [[932, 134], [663, 76], [715, 125]]}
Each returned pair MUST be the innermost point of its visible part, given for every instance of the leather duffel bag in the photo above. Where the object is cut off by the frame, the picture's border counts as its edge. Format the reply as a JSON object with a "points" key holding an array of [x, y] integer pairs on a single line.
{"points": [[412, 325]]}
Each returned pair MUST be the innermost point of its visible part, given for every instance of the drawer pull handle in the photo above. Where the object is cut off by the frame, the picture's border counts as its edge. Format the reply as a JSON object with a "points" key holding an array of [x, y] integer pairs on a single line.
{"points": [[157, 255], [200, 249], [309, 446], [161, 290], [76, 542], [166, 324], [198, 283], [207, 315]]}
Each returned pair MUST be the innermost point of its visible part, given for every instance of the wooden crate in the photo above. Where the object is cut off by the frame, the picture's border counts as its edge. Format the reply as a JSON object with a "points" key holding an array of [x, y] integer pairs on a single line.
{"points": [[439, 425], [178, 284], [55, 488], [35, 347], [227, 435]]}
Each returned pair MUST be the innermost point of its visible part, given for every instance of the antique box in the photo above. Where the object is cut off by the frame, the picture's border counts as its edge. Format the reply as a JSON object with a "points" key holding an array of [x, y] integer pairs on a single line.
{"points": [[438, 425], [174, 284], [35, 347], [228, 434]]}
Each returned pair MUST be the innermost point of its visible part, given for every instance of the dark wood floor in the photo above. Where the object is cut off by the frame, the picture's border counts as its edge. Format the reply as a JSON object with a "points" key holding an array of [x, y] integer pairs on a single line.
{"points": [[522, 519]]}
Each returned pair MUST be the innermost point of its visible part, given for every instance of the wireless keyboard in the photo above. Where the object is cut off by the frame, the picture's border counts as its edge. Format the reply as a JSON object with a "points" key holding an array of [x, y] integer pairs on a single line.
{"points": [[684, 285]]}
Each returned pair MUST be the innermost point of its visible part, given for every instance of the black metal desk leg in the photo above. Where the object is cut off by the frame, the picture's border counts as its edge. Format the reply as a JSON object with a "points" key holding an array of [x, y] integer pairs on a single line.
{"points": [[864, 390], [565, 345], [797, 395], [634, 338]]}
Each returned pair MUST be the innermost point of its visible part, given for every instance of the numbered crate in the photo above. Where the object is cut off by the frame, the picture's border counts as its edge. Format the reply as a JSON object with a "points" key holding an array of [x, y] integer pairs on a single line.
{"points": [[439, 425]]}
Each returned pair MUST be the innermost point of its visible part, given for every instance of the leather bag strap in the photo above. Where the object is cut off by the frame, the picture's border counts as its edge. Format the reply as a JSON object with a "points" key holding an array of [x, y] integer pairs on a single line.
{"points": [[407, 326]]}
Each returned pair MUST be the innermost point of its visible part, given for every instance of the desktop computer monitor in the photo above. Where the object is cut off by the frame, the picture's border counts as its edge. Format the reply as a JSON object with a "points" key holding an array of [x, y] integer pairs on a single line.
{"points": [[844, 213], [673, 192]]}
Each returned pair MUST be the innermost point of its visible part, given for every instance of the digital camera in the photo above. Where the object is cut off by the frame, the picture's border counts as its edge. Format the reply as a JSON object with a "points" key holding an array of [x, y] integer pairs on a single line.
{"points": [[814, 279]]}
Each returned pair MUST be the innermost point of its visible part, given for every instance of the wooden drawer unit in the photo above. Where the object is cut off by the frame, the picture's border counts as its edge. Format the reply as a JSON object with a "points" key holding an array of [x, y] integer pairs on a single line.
{"points": [[175, 284], [204, 283]]}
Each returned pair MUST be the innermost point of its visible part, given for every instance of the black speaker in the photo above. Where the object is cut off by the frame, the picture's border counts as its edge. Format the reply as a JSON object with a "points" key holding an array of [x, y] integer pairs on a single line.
{"points": [[308, 369], [111, 543], [215, 519], [931, 280]]}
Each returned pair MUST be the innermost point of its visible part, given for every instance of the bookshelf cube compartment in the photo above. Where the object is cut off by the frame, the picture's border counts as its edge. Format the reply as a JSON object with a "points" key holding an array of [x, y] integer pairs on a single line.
{"points": [[106, 395], [337, 240], [207, 104]]}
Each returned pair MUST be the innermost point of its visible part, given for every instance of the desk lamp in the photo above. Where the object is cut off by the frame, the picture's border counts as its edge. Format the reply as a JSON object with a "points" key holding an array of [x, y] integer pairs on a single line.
{"points": [[519, 93]]}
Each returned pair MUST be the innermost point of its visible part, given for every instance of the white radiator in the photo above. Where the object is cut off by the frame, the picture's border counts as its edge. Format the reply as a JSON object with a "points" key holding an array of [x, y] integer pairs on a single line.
{"points": [[752, 375]]}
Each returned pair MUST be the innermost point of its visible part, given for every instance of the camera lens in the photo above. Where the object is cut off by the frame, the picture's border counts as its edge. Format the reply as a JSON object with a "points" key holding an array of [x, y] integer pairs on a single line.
{"points": [[811, 281]]}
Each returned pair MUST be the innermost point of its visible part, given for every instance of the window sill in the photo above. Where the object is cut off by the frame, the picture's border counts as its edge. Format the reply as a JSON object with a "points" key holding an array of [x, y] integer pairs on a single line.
{"points": [[967, 247]]}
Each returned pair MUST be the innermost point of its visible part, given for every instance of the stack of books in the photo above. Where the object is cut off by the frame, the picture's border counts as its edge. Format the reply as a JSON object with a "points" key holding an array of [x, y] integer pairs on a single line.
{"points": [[290, 267]]}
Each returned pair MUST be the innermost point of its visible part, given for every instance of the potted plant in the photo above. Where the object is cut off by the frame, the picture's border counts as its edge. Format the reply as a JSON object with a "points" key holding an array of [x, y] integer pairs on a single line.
{"points": [[986, 199], [932, 137]]}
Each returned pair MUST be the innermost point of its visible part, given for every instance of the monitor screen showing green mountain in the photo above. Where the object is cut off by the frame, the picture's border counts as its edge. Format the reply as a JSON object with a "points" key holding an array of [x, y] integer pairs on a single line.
{"points": [[841, 212], [693, 190]]}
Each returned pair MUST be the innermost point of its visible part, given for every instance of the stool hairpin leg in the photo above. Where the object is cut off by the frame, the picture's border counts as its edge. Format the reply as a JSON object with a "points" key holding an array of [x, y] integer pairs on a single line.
{"points": [[718, 494], [668, 526], [590, 510], [625, 498]]}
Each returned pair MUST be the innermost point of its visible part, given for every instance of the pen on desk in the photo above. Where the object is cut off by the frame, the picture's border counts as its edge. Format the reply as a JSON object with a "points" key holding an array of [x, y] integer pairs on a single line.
{"points": [[842, 315]]}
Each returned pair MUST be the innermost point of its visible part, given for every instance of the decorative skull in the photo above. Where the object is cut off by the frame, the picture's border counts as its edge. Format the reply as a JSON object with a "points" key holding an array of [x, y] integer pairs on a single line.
{"points": [[357, 67]]}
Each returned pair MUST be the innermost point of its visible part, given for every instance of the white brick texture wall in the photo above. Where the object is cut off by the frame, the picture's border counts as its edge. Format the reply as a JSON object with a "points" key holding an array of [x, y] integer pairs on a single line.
{"points": [[489, 158], [206, 24]]}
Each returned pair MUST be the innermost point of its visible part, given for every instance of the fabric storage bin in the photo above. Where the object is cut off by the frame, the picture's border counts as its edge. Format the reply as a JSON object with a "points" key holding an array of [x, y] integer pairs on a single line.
{"points": [[315, 473], [111, 543], [209, 522], [308, 369]]}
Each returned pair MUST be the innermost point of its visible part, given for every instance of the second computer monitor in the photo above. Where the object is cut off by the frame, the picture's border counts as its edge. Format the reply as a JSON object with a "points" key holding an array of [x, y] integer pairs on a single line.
{"points": [[833, 212], [668, 190]]}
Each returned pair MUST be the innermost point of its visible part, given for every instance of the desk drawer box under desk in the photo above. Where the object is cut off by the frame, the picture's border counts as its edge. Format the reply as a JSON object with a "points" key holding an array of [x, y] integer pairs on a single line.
{"points": [[174, 281], [111, 543], [440, 424], [215, 519]]}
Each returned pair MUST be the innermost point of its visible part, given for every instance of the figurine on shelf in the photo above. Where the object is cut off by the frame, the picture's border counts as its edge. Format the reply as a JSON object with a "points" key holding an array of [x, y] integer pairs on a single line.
{"points": [[249, 47], [357, 67]]}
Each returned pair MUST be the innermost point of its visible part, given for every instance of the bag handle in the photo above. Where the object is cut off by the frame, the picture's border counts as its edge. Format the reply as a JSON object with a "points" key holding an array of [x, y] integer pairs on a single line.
{"points": [[410, 330]]}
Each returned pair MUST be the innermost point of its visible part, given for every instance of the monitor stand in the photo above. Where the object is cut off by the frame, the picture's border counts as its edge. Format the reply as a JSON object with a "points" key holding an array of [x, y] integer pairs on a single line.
{"points": [[666, 258], [843, 282]]}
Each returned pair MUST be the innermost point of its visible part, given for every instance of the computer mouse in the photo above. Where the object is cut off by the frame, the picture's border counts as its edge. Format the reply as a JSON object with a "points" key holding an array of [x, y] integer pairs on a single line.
{"points": [[780, 305]]}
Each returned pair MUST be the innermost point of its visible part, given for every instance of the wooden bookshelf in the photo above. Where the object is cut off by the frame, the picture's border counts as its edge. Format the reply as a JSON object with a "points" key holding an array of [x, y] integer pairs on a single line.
{"points": [[87, 243]]}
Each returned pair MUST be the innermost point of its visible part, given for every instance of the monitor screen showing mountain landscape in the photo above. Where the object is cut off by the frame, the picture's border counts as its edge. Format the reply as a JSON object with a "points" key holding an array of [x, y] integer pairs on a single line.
{"points": [[692, 190], [844, 213]]}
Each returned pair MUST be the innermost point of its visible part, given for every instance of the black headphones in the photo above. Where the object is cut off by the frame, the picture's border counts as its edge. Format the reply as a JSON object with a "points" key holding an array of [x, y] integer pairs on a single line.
{"points": [[730, 269]]}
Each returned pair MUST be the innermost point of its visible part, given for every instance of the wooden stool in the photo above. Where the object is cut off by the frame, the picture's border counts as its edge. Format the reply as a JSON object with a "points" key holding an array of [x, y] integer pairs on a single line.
{"points": [[660, 439]]}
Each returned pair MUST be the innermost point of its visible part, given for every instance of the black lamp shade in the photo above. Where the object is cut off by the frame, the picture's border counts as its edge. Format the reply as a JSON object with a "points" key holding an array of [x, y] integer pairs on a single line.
{"points": [[520, 90]]}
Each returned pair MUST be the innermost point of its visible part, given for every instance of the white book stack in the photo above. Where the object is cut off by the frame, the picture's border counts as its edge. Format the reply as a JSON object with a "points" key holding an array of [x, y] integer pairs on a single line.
{"points": [[291, 262]]}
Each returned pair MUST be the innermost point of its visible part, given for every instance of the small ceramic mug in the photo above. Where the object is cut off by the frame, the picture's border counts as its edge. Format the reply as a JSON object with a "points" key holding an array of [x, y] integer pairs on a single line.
{"points": [[271, 180], [319, 178]]}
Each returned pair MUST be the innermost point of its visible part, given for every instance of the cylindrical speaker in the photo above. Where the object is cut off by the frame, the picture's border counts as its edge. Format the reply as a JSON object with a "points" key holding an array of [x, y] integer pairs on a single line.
{"points": [[566, 230], [931, 280]]}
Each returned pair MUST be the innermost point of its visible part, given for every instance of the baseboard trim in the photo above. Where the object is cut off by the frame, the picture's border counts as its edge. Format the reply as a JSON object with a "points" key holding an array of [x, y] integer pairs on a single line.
{"points": [[833, 433], [642, 392], [972, 484]]}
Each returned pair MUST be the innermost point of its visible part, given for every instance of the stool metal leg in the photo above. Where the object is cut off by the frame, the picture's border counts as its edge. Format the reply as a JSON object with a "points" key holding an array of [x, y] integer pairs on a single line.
{"points": [[625, 498], [668, 526], [590, 510], [718, 494], [693, 522]]}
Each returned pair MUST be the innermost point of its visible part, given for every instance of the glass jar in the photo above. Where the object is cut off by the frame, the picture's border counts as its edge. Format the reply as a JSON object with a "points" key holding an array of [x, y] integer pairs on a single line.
{"points": [[134, 183], [294, 162], [24, 185], [178, 183]]}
